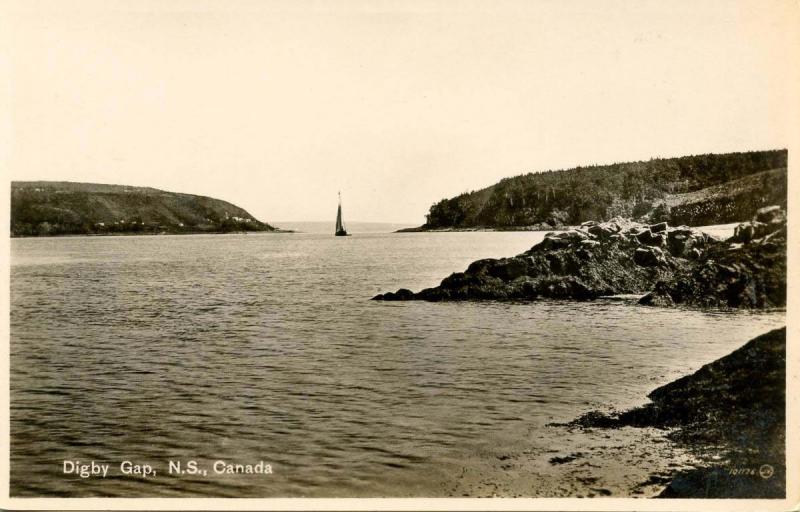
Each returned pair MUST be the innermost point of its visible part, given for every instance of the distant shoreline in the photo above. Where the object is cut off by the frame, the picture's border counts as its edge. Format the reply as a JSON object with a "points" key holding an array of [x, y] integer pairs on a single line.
{"points": [[140, 233], [421, 229]]}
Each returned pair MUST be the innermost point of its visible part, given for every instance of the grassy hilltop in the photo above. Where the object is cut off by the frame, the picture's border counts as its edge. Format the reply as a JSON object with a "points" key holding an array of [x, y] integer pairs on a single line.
{"points": [[42, 208], [692, 190]]}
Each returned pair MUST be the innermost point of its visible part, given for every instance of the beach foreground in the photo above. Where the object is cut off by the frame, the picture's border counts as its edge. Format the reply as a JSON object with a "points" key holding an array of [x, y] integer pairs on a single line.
{"points": [[730, 414]]}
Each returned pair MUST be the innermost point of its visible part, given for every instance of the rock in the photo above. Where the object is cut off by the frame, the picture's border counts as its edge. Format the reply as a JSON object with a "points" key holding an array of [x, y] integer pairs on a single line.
{"points": [[551, 243], [508, 269], [762, 230], [681, 241], [567, 288], [622, 224], [590, 244], [683, 230], [601, 231], [657, 299], [749, 231], [658, 228], [404, 294], [401, 294], [574, 235], [647, 237], [766, 221], [695, 253], [677, 244], [480, 265], [770, 214], [744, 232], [648, 257]]}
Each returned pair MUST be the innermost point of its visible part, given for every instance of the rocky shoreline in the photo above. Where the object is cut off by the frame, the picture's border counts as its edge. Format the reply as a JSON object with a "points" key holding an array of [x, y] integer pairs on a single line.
{"points": [[676, 265], [730, 413]]}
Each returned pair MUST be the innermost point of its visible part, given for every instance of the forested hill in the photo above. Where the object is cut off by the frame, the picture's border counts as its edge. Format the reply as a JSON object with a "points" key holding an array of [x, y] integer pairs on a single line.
{"points": [[694, 190], [40, 208]]}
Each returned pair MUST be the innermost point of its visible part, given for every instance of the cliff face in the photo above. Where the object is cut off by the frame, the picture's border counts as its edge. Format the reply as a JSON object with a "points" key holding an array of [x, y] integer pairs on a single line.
{"points": [[693, 190], [42, 208]]}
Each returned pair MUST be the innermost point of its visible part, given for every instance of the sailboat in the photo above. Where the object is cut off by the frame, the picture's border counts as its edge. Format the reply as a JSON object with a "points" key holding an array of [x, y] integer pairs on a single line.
{"points": [[340, 231]]}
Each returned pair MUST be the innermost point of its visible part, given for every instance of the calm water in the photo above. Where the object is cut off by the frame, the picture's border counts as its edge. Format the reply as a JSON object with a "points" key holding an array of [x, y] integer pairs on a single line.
{"points": [[266, 347]]}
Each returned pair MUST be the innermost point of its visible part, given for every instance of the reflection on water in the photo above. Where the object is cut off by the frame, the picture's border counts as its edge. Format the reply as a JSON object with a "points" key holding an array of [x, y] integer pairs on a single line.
{"points": [[266, 347]]}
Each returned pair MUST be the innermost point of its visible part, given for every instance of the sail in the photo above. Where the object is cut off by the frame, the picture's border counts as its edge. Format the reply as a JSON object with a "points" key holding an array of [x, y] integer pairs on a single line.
{"points": [[339, 225], [340, 231]]}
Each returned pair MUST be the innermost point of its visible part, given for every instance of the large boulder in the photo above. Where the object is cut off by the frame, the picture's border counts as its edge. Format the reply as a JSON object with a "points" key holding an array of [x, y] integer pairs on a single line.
{"points": [[771, 215], [601, 230], [508, 269], [658, 228], [682, 240], [766, 221], [574, 235], [552, 241], [401, 294], [566, 288], [648, 257], [480, 265], [657, 299], [647, 237], [747, 231]]}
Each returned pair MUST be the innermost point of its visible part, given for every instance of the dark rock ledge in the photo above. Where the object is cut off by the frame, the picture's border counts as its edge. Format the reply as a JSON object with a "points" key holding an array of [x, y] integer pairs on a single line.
{"points": [[730, 413], [679, 265]]}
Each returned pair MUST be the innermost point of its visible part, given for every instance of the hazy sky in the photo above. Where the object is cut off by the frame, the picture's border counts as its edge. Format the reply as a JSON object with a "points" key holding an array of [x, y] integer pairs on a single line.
{"points": [[275, 106]]}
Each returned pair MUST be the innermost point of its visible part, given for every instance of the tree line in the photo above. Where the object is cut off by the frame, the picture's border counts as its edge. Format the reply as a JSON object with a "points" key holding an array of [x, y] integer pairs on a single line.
{"points": [[597, 192]]}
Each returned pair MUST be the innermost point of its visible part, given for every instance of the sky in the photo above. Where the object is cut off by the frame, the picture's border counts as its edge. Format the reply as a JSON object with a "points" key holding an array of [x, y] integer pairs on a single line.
{"points": [[276, 106]]}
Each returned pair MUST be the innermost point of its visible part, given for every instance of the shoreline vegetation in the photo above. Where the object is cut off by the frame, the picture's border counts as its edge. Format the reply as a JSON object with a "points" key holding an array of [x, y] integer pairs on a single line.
{"points": [[49, 208], [691, 190]]}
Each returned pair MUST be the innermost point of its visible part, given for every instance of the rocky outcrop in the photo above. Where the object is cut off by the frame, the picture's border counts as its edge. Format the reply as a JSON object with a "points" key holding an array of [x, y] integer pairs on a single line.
{"points": [[747, 271], [680, 265], [589, 261]]}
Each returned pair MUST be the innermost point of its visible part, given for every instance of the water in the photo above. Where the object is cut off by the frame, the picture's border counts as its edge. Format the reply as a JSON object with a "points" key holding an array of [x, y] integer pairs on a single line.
{"points": [[266, 347]]}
